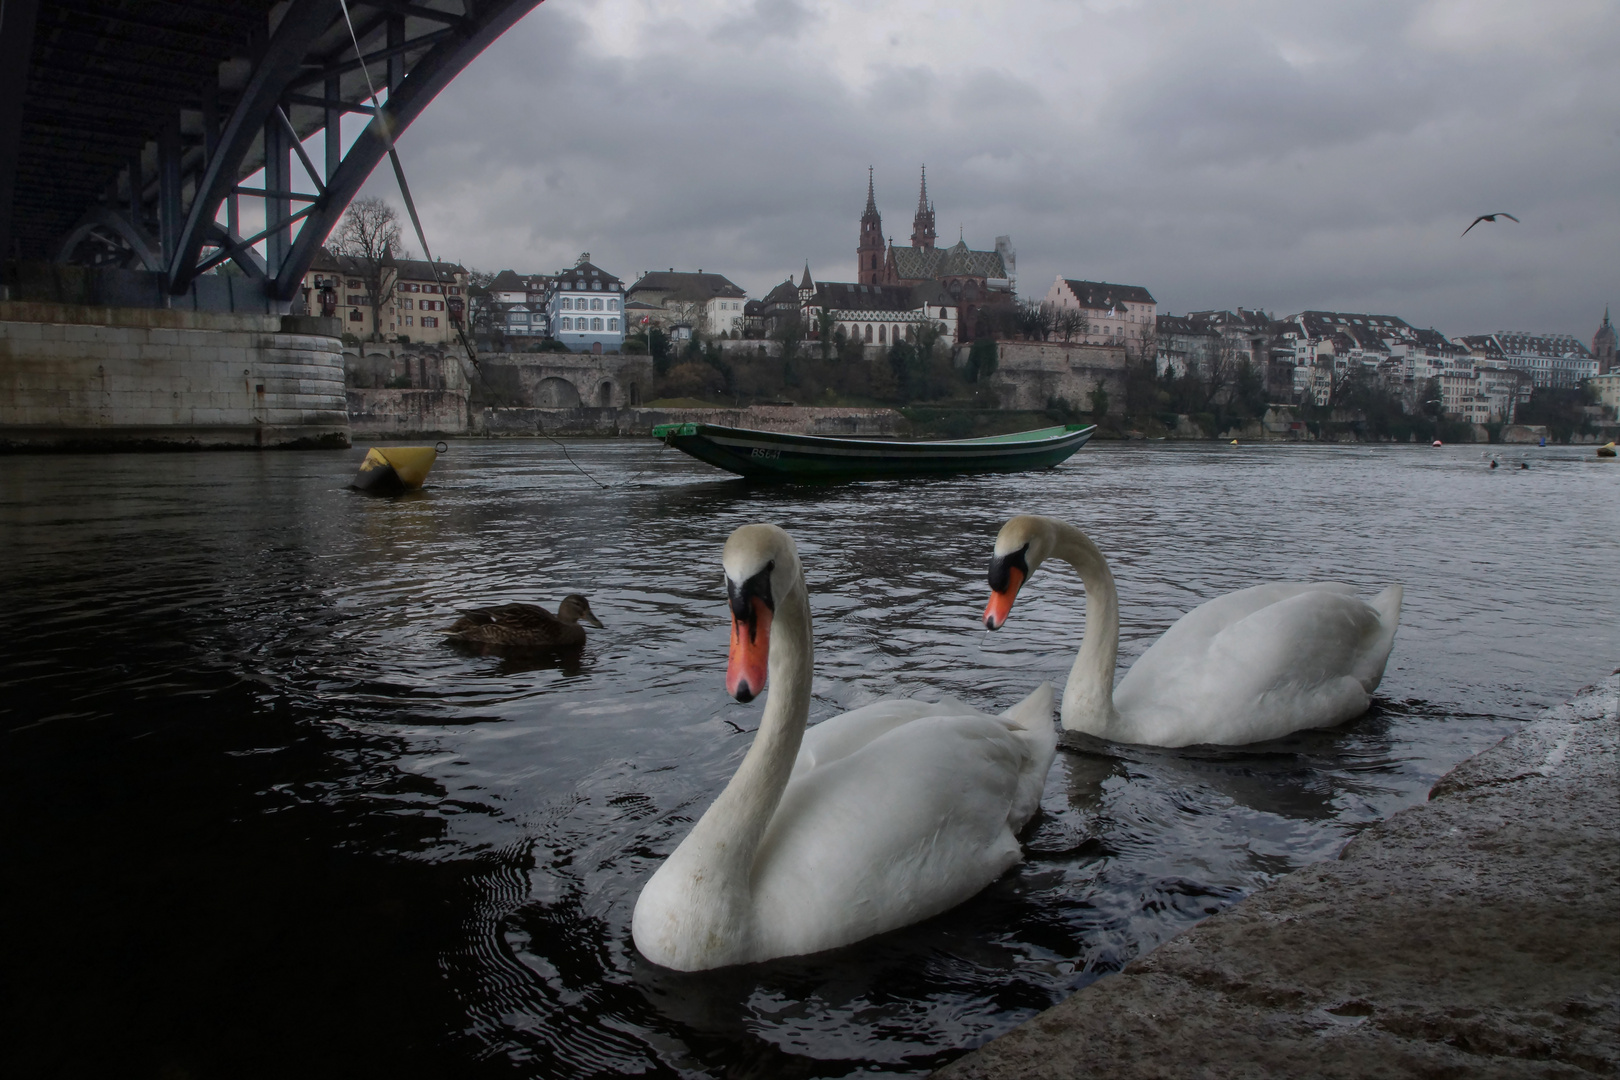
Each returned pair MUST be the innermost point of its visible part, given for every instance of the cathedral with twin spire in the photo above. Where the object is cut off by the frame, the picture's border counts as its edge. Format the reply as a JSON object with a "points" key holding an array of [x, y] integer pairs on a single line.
{"points": [[972, 279]]}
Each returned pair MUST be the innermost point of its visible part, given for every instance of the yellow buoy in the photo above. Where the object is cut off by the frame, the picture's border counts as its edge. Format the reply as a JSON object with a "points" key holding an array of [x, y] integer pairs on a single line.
{"points": [[389, 470], [1607, 449], [1234, 442]]}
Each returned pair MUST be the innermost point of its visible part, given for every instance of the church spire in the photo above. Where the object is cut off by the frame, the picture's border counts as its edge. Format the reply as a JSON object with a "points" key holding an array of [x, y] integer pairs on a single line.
{"points": [[922, 226], [869, 252]]}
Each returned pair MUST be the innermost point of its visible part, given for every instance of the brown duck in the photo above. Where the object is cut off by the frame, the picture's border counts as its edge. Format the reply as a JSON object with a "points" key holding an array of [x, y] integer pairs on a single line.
{"points": [[525, 625]]}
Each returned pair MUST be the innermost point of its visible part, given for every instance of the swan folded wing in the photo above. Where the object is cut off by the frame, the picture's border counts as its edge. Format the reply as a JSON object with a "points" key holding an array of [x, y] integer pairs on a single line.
{"points": [[1193, 632], [842, 735], [911, 824], [1031, 721], [1285, 665]]}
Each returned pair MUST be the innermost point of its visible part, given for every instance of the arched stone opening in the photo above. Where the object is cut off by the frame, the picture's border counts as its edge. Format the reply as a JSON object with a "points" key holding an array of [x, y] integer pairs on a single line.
{"points": [[555, 393]]}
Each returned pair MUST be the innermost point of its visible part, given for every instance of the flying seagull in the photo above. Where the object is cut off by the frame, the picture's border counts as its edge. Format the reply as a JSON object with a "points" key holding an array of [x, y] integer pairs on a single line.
{"points": [[1489, 217]]}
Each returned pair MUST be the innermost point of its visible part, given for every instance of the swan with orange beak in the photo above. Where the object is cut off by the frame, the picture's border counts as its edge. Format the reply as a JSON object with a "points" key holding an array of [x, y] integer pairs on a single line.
{"points": [[1251, 665], [868, 821]]}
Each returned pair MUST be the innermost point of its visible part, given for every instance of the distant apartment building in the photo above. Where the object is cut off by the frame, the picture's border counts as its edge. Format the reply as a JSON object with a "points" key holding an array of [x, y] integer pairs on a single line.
{"points": [[1552, 361], [1326, 347], [585, 308], [707, 304], [1125, 315], [519, 304], [418, 297]]}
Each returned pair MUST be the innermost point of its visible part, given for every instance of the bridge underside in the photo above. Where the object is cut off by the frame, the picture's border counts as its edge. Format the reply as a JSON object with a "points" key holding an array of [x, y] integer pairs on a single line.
{"points": [[129, 130]]}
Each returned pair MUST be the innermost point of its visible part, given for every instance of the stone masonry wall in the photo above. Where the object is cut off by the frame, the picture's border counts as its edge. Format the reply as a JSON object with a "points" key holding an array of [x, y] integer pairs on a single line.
{"points": [[73, 376], [801, 420], [1030, 373]]}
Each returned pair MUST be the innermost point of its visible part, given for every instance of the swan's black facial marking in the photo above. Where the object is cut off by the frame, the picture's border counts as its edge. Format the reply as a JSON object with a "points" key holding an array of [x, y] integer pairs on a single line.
{"points": [[740, 597], [1002, 565]]}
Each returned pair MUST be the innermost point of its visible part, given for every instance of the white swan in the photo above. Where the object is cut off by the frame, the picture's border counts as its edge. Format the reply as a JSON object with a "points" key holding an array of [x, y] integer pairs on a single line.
{"points": [[873, 820], [1244, 667]]}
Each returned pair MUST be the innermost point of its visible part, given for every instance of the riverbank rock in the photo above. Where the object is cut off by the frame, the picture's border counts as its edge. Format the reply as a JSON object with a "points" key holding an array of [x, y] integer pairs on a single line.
{"points": [[1476, 935]]}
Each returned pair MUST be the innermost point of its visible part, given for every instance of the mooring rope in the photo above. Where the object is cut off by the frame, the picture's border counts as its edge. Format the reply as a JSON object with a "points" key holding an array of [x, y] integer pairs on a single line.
{"points": [[381, 120]]}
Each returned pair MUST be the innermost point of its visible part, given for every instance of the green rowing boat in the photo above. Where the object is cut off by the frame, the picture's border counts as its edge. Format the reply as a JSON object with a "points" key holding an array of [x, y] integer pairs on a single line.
{"points": [[774, 455]]}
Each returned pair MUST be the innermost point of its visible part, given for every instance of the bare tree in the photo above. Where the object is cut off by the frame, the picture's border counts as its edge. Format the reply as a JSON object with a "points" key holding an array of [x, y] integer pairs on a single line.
{"points": [[368, 235], [1070, 322], [1035, 320], [481, 306]]}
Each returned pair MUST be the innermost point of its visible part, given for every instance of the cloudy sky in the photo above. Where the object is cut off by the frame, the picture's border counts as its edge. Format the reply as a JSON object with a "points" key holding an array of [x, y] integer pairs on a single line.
{"points": [[1280, 155]]}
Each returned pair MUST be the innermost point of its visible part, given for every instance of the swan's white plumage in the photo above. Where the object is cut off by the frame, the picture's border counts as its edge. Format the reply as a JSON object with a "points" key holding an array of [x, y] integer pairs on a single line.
{"points": [[1248, 666], [880, 817]]}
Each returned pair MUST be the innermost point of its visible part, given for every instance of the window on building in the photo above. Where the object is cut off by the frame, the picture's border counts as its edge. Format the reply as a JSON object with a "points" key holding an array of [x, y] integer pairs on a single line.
{"points": [[566, 324], [596, 305], [429, 321], [596, 324], [613, 305], [353, 284], [868, 333], [613, 324], [355, 316], [565, 304], [408, 321], [596, 284]]}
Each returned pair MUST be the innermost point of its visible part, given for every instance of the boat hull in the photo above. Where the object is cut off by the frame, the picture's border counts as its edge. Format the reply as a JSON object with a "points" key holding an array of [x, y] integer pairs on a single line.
{"points": [[771, 455]]}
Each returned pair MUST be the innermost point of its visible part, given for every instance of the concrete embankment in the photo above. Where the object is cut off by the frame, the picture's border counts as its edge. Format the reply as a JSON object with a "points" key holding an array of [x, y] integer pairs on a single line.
{"points": [[1477, 935], [104, 378]]}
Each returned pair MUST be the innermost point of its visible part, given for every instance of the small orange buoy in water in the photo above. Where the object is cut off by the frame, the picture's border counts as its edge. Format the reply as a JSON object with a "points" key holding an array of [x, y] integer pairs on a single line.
{"points": [[1436, 443]]}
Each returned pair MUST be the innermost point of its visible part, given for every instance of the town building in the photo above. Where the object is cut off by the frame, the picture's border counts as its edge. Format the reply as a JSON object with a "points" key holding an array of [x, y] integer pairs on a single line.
{"points": [[971, 280], [707, 304], [519, 304], [1553, 361], [1607, 389], [881, 314], [1123, 315], [418, 296], [1328, 347], [585, 308]]}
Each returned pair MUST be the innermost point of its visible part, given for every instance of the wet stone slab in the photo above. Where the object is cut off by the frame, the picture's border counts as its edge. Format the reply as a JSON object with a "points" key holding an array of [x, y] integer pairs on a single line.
{"points": [[1477, 935]]}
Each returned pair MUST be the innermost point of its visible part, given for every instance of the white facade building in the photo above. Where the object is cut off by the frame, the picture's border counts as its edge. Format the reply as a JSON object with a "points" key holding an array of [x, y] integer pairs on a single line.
{"points": [[1115, 314], [586, 308]]}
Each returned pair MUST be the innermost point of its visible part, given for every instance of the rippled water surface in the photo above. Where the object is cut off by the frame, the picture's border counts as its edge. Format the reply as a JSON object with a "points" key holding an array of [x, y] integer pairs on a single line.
{"points": [[262, 821]]}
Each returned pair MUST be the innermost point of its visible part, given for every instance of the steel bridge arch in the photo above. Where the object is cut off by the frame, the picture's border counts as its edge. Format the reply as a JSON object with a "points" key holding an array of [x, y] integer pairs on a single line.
{"points": [[244, 83]]}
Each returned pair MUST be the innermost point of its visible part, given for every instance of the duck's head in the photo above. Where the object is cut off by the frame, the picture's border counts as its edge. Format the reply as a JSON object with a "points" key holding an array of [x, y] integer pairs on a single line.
{"points": [[1021, 546], [762, 566], [576, 609]]}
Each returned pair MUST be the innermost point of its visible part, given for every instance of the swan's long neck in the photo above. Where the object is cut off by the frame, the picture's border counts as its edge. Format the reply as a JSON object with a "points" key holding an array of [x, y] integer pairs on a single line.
{"points": [[1088, 699], [728, 835]]}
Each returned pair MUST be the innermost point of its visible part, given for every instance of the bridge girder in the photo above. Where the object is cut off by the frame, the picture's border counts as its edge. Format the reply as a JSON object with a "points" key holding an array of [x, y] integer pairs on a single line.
{"points": [[216, 91]]}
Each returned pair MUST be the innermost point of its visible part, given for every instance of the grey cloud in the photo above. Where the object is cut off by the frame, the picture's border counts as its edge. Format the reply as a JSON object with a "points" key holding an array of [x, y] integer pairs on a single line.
{"points": [[1213, 171]]}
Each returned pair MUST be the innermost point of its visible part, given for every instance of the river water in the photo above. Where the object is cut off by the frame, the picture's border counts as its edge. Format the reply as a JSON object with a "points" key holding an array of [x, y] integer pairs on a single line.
{"points": [[262, 821]]}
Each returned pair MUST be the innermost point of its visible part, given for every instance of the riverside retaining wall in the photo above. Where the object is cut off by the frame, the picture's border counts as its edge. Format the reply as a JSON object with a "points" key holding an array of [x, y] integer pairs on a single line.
{"points": [[797, 419], [73, 376], [1476, 935]]}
